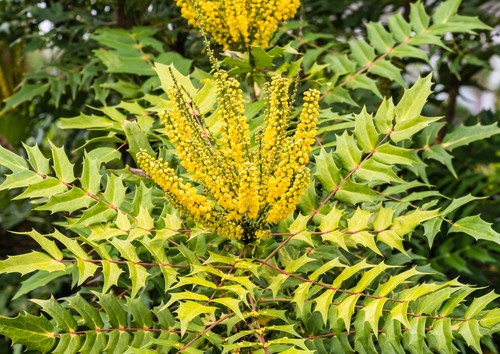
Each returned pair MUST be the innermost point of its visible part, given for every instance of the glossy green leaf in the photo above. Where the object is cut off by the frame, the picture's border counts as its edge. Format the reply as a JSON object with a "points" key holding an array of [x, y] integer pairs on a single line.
{"points": [[63, 317], [11, 160], [36, 333], [61, 164], [347, 151], [29, 262], [464, 135], [189, 310], [327, 172], [476, 227]]}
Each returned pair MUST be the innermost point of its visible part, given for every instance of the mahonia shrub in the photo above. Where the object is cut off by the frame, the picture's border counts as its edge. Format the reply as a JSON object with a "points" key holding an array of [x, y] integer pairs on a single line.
{"points": [[237, 24], [244, 235], [248, 188]]}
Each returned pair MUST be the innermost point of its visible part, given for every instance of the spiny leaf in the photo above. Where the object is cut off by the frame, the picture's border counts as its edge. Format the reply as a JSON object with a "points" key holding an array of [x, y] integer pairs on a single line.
{"points": [[189, 310], [477, 228], [37, 160], [479, 303], [69, 201], [36, 333], [62, 167], [348, 151], [63, 317], [327, 172], [90, 178], [464, 135], [365, 131], [29, 262], [48, 246], [11, 160], [353, 192]]}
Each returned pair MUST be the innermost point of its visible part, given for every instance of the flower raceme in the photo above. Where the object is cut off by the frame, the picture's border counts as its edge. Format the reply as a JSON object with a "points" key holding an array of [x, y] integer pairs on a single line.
{"points": [[235, 24], [242, 189]]}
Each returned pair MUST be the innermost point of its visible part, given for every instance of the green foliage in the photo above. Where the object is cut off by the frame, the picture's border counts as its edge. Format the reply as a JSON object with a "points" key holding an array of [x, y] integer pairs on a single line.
{"points": [[340, 274]]}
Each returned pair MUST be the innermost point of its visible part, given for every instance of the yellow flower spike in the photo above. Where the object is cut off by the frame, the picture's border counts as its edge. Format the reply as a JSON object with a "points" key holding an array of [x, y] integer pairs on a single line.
{"points": [[235, 24], [182, 196], [196, 153], [276, 116], [236, 132], [306, 129], [248, 202], [287, 203]]}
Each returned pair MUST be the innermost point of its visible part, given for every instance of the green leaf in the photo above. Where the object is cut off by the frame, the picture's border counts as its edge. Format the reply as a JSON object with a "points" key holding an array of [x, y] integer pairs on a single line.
{"points": [[90, 315], [98, 213], [440, 338], [413, 100], [63, 317], [346, 309], [477, 228], [405, 224], [90, 179], [29, 262], [113, 308], [464, 135], [167, 81], [38, 280], [26, 93], [419, 19], [399, 27], [36, 333], [376, 173], [46, 187], [20, 179], [37, 160], [69, 201], [445, 10], [323, 303], [48, 246], [300, 295], [93, 122], [363, 81], [390, 154], [189, 310], [11, 160], [353, 192], [408, 51], [379, 37], [458, 202], [491, 318], [479, 303], [373, 312], [327, 172], [115, 190], [384, 117], [117, 63], [362, 52], [470, 332], [347, 151], [232, 304], [438, 153], [136, 138], [365, 132], [385, 68], [62, 167]]}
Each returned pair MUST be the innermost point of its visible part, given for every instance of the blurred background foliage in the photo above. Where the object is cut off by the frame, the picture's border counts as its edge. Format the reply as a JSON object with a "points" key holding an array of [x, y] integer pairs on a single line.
{"points": [[60, 59]]}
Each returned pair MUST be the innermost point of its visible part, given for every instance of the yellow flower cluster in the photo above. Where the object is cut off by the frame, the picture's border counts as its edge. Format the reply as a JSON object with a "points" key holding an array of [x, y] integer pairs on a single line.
{"points": [[235, 24], [243, 189]]}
